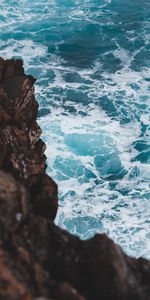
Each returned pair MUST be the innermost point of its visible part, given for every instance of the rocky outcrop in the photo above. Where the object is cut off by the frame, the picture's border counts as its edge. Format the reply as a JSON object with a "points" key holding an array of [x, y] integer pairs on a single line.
{"points": [[38, 260], [22, 150]]}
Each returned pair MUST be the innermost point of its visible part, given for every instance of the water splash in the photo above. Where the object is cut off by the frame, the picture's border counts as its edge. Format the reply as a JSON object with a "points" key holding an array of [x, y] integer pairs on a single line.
{"points": [[91, 61]]}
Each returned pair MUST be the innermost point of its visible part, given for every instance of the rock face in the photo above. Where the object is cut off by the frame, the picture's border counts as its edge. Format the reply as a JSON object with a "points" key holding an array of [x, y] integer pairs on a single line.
{"points": [[22, 150], [38, 260]]}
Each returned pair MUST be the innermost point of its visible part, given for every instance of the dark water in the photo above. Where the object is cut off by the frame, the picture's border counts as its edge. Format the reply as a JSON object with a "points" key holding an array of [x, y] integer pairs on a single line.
{"points": [[91, 60]]}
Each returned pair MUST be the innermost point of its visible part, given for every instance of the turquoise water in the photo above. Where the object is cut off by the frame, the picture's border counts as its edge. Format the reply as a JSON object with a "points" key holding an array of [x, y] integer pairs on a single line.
{"points": [[91, 59]]}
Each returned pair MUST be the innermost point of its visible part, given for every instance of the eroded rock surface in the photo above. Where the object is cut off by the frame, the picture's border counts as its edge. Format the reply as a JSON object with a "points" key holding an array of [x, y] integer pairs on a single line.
{"points": [[38, 260]]}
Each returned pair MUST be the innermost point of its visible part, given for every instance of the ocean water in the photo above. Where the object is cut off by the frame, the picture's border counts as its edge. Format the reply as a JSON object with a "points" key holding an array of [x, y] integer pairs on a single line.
{"points": [[91, 59]]}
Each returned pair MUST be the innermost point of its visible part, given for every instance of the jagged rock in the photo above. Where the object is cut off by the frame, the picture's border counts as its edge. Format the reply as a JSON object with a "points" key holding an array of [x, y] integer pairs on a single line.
{"points": [[38, 260], [22, 151]]}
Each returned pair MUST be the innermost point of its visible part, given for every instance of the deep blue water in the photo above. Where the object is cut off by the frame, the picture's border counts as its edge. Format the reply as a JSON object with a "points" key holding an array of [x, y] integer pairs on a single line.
{"points": [[91, 59]]}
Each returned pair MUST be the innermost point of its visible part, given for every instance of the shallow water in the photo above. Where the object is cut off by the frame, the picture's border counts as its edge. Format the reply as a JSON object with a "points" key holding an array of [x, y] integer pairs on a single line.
{"points": [[91, 59]]}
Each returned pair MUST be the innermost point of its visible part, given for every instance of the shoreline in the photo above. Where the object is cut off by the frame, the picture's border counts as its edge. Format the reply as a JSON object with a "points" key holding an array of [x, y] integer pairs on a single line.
{"points": [[37, 258]]}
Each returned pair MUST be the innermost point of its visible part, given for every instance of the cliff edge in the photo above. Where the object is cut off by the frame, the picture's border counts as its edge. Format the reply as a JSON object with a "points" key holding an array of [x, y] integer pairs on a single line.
{"points": [[38, 260]]}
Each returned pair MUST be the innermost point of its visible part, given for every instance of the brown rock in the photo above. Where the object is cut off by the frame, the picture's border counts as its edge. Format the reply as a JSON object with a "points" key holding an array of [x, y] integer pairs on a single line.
{"points": [[38, 260], [13, 202], [22, 151]]}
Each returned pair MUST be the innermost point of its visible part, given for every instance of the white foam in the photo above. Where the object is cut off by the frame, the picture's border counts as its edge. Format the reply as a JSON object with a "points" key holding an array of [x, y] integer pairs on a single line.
{"points": [[88, 204]]}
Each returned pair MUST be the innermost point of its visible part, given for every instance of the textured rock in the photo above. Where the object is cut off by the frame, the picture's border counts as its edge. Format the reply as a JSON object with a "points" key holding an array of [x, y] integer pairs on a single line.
{"points": [[22, 151], [38, 260]]}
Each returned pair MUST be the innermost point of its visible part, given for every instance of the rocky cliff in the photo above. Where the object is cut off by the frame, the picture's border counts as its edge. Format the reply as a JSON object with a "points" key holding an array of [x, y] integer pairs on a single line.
{"points": [[38, 260]]}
